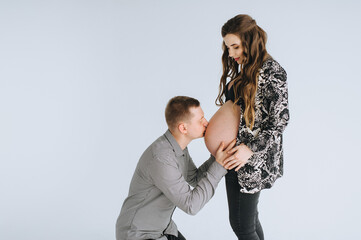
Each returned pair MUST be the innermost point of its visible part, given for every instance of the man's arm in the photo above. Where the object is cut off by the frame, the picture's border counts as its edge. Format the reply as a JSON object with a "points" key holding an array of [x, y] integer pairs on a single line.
{"points": [[169, 179], [194, 174]]}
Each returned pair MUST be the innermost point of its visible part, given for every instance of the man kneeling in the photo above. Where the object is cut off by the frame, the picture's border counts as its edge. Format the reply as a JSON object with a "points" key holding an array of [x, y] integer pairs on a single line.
{"points": [[164, 174]]}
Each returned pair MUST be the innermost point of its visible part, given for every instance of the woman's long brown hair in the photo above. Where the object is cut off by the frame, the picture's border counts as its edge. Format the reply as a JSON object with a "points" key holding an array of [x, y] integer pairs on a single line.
{"points": [[253, 40]]}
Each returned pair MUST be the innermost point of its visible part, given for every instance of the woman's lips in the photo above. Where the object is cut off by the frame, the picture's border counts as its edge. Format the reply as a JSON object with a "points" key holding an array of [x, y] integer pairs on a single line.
{"points": [[236, 59]]}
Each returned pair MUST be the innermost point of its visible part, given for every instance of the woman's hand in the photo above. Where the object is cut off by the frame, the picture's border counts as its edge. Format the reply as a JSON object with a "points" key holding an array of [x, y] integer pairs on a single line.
{"points": [[222, 153], [240, 156]]}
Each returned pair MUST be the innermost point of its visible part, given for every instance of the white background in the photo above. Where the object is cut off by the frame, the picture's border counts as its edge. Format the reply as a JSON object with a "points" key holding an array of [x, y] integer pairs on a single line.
{"points": [[84, 84]]}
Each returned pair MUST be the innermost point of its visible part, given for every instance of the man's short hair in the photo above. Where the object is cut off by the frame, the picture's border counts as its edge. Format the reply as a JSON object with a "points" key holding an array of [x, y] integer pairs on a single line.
{"points": [[177, 110]]}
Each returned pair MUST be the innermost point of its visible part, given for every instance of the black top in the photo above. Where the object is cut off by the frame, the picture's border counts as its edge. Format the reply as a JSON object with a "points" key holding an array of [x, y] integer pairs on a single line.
{"points": [[229, 94]]}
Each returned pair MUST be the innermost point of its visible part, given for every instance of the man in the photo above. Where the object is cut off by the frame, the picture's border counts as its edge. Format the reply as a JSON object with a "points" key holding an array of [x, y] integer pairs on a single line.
{"points": [[164, 174]]}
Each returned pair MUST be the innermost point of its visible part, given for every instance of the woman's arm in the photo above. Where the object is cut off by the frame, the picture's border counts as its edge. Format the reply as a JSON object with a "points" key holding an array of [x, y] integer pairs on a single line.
{"points": [[276, 97]]}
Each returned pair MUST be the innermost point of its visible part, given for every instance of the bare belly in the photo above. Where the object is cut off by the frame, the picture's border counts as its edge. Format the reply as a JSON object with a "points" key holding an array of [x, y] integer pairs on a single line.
{"points": [[223, 126]]}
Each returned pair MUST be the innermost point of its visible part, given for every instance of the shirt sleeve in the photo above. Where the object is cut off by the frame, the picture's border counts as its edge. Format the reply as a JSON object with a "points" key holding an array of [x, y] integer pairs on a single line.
{"points": [[169, 179], [276, 103], [194, 174]]}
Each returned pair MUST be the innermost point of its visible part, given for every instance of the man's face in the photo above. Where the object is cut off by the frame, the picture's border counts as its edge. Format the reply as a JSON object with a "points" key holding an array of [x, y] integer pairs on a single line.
{"points": [[197, 124]]}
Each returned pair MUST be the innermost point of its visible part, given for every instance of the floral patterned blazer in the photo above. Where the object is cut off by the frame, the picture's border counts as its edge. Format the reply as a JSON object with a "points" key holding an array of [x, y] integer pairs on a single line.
{"points": [[265, 139]]}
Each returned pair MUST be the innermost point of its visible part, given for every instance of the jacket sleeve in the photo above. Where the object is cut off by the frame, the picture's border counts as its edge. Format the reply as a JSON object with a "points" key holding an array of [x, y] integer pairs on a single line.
{"points": [[166, 175], [275, 102]]}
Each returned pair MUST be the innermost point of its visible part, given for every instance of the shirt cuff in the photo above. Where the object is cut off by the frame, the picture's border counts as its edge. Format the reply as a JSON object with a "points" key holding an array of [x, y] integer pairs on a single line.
{"points": [[217, 170]]}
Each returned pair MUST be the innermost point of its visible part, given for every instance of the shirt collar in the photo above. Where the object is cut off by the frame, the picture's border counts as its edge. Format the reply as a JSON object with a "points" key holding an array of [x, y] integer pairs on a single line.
{"points": [[177, 149]]}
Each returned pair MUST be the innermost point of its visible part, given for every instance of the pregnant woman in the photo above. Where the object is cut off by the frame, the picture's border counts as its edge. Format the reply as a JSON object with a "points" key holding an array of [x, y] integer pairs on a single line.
{"points": [[255, 111]]}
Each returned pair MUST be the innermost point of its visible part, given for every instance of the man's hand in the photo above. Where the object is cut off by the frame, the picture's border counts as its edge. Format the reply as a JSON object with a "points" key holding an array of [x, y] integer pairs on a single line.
{"points": [[241, 154], [222, 153]]}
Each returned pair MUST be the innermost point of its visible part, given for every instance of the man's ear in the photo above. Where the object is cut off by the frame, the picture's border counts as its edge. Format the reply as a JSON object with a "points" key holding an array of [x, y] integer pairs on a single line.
{"points": [[182, 128]]}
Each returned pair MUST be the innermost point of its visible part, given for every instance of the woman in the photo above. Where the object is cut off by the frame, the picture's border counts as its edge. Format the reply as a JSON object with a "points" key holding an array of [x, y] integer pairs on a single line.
{"points": [[257, 84]]}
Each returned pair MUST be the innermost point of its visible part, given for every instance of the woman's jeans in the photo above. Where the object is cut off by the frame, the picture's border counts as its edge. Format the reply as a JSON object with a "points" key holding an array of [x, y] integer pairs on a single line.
{"points": [[243, 212]]}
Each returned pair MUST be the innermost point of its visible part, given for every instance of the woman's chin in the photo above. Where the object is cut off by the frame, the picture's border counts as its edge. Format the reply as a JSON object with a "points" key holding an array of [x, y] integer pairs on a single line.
{"points": [[223, 126]]}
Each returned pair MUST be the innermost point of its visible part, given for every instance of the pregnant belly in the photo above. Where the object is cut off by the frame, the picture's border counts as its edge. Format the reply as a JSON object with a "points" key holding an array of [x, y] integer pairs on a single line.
{"points": [[223, 126]]}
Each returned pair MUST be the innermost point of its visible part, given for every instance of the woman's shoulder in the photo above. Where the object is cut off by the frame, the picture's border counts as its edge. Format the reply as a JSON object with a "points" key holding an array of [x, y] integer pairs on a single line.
{"points": [[272, 69], [272, 66]]}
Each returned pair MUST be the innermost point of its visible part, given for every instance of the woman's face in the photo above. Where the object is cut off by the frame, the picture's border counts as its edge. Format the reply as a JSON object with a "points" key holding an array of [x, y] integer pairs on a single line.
{"points": [[234, 46]]}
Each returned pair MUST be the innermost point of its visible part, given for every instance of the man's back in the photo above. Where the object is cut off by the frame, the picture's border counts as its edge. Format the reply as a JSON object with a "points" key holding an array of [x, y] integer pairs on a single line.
{"points": [[160, 183], [146, 209]]}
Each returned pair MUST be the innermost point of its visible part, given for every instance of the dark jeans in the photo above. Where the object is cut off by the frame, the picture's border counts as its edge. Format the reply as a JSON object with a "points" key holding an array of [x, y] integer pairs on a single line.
{"points": [[171, 237], [243, 212]]}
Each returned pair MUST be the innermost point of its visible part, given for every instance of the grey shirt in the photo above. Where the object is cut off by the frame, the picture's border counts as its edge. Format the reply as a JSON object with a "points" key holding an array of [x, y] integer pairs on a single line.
{"points": [[162, 181]]}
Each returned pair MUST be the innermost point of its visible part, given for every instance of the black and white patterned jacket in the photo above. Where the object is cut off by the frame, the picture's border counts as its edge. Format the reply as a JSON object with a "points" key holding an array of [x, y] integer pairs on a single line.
{"points": [[265, 139]]}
